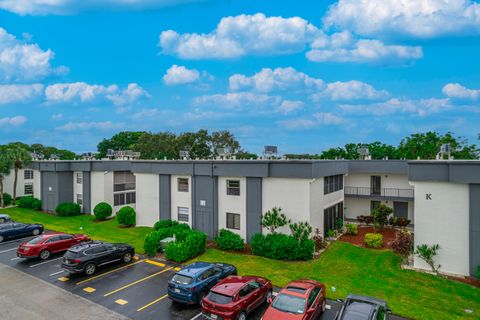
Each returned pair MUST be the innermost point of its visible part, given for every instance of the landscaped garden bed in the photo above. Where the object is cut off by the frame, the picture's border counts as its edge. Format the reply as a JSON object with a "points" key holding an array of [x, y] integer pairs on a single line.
{"points": [[388, 234]]}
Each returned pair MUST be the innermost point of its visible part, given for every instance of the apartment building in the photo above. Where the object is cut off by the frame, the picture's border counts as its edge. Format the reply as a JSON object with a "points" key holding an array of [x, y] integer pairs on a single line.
{"points": [[441, 198]]}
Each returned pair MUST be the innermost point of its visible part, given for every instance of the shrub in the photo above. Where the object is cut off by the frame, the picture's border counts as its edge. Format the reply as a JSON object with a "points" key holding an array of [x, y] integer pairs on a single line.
{"points": [[301, 230], [402, 222], [331, 233], [428, 253], [478, 271], [193, 245], [151, 244], [25, 202], [127, 216], [68, 209], [373, 240], [274, 219], [339, 224], [164, 224], [36, 204], [380, 215], [164, 229], [102, 211], [365, 219], [403, 244], [282, 247], [7, 199], [318, 240], [352, 229], [227, 240]]}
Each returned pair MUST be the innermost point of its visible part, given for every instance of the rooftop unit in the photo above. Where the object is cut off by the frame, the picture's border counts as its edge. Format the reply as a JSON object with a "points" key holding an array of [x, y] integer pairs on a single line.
{"points": [[122, 155]]}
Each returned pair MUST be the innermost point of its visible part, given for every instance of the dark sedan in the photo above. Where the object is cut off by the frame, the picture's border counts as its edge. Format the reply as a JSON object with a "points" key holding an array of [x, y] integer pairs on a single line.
{"points": [[18, 230], [363, 308]]}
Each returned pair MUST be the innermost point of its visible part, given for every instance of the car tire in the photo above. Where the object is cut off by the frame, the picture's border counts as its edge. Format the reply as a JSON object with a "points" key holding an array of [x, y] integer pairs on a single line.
{"points": [[242, 316], [127, 257], [201, 295], [44, 254], [2, 220], [90, 269], [1, 239], [36, 232], [268, 296]]}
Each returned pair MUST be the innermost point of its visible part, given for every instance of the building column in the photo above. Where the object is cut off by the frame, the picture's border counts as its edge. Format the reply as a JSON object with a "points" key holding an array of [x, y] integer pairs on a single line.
{"points": [[87, 194], [254, 207], [474, 228], [165, 197]]}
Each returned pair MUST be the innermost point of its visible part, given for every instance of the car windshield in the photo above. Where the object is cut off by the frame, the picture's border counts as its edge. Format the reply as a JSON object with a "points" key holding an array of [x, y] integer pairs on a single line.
{"points": [[36, 240], [181, 279], [219, 298], [289, 303]]}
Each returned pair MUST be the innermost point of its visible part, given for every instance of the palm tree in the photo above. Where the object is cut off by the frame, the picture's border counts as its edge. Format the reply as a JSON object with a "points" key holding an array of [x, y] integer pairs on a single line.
{"points": [[6, 165], [21, 158]]}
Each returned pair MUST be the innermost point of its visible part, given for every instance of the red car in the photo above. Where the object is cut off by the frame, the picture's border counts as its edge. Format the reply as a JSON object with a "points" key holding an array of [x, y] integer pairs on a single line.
{"points": [[43, 246], [235, 297], [299, 300]]}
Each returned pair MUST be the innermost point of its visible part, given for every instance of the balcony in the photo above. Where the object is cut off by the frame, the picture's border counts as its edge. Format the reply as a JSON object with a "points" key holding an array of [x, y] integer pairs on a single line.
{"points": [[380, 193]]}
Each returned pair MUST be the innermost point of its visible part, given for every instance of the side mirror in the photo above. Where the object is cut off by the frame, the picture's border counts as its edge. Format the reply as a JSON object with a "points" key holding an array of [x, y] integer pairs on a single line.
{"points": [[270, 300]]}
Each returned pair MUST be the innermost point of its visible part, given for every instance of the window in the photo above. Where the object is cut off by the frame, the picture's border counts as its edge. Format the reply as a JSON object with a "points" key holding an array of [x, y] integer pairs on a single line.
{"points": [[182, 214], [245, 291], [374, 205], [80, 199], [233, 221], [330, 216], [332, 183], [28, 188], [28, 174], [79, 177], [123, 181], [119, 199], [313, 296], [182, 184], [233, 187]]}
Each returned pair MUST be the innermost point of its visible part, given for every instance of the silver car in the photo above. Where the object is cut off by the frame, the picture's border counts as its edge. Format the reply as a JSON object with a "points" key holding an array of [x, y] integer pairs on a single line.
{"points": [[4, 218]]}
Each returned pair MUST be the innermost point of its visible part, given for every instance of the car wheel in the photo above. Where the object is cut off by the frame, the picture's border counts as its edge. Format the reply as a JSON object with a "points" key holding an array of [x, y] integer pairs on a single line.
{"points": [[44, 254], [2, 220], [90, 269], [127, 257], [36, 232], [201, 295], [268, 296], [1, 239], [242, 316], [324, 305]]}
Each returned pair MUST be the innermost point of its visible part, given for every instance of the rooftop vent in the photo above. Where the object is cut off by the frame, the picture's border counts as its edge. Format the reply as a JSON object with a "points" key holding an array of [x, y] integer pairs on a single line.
{"points": [[270, 152], [364, 153], [445, 152], [37, 155], [122, 155], [184, 155]]}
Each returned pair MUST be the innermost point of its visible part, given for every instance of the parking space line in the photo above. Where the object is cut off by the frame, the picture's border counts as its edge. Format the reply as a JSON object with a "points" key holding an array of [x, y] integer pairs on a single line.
{"points": [[152, 303], [197, 316], [15, 240], [121, 302], [89, 289], [177, 269], [54, 274], [155, 263], [63, 279], [8, 250], [108, 272], [44, 262], [16, 258], [136, 282]]}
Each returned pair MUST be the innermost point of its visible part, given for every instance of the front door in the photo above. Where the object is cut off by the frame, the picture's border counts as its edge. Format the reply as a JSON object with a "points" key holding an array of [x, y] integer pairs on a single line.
{"points": [[400, 209], [376, 185]]}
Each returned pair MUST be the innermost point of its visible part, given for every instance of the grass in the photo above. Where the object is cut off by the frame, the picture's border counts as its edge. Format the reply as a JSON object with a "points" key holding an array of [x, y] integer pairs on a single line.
{"points": [[351, 269], [105, 231]]}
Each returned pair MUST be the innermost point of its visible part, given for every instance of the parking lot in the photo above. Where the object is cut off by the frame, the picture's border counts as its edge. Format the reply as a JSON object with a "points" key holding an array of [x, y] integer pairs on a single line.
{"points": [[137, 290]]}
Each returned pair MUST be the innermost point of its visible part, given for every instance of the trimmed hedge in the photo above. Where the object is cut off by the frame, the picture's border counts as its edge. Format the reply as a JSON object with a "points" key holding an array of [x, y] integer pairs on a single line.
{"points": [[162, 224], [29, 203], [127, 216], [7, 199], [228, 240], [102, 211], [373, 240], [164, 229], [282, 247], [194, 244], [67, 209]]}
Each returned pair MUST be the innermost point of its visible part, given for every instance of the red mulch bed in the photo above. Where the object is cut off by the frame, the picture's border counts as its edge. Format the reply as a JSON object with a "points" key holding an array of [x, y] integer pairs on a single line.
{"points": [[389, 235]]}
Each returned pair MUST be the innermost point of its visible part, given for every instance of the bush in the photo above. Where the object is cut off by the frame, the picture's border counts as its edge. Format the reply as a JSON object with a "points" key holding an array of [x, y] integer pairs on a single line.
{"points": [[227, 240], [7, 199], [478, 271], [282, 247], [428, 253], [102, 211], [68, 209], [164, 230], [380, 215], [373, 240], [25, 202], [365, 219], [339, 224], [36, 204], [127, 216], [402, 222], [194, 244], [162, 224], [403, 244], [274, 219], [352, 229], [318, 240], [331, 233], [151, 244], [301, 230]]}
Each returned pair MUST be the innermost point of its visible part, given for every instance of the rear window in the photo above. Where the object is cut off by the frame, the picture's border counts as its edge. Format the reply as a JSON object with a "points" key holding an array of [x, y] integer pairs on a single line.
{"points": [[181, 279], [297, 289], [72, 254], [219, 298], [36, 240]]}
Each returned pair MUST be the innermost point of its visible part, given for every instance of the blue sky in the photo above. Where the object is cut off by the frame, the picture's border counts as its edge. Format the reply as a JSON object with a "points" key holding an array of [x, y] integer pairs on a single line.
{"points": [[303, 75]]}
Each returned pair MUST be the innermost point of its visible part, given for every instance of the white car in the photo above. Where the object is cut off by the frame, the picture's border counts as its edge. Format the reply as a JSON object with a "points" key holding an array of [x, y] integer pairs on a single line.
{"points": [[4, 218]]}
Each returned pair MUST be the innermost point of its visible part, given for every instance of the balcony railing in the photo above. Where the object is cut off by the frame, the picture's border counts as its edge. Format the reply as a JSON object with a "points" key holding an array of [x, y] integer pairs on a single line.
{"points": [[366, 192]]}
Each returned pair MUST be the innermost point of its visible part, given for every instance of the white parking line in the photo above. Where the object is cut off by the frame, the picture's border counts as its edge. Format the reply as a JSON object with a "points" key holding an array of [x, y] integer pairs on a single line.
{"points": [[8, 250], [44, 262], [198, 315], [328, 307], [16, 258], [54, 274], [16, 240]]}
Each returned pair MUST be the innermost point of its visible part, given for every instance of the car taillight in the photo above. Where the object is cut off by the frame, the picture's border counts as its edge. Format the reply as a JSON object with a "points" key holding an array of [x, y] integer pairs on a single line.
{"points": [[192, 288], [73, 261]]}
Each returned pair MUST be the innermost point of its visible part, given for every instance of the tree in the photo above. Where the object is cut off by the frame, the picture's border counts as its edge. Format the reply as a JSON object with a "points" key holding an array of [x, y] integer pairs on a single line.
{"points": [[48, 151], [223, 139], [301, 230], [21, 157], [380, 216], [157, 146], [196, 143], [428, 253], [121, 141], [274, 219], [6, 165]]}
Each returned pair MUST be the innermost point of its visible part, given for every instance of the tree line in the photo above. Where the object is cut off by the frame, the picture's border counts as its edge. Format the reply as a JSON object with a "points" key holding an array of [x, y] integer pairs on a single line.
{"points": [[13, 156]]}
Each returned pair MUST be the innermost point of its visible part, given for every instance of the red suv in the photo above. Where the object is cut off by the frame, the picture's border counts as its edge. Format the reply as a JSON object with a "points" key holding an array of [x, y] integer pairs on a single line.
{"points": [[43, 246], [235, 297], [299, 300]]}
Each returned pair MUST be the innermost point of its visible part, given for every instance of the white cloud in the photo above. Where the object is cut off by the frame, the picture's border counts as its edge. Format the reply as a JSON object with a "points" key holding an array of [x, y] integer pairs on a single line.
{"points": [[13, 121], [20, 61], [57, 116], [130, 95], [350, 90], [412, 18], [180, 75], [316, 120], [43, 7], [241, 35], [145, 114], [288, 106], [13, 93], [268, 80], [421, 107], [457, 91], [105, 125]]}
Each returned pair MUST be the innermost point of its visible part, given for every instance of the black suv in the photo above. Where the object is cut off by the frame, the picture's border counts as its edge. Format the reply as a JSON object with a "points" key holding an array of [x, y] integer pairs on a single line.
{"points": [[363, 308], [88, 256]]}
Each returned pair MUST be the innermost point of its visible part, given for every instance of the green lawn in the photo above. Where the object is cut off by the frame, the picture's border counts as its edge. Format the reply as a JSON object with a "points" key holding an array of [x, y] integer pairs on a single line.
{"points": [[106, 231], [352, 269]]}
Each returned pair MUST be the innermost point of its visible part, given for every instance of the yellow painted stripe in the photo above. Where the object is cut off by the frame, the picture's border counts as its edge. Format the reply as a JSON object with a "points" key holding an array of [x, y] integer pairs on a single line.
{"points": [[121, 302], [152, 303], [89, 289], [177, 269], [136, 258], [155, 263], [135, 282], [108, 272], [63, 279]]}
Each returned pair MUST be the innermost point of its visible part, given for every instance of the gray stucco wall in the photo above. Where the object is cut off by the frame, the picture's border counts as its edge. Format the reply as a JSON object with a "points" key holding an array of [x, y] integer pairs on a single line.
{"points": [[87, 194], [57, 187], [474, 228], [254, 206], [204, 205], [165, 198]]}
